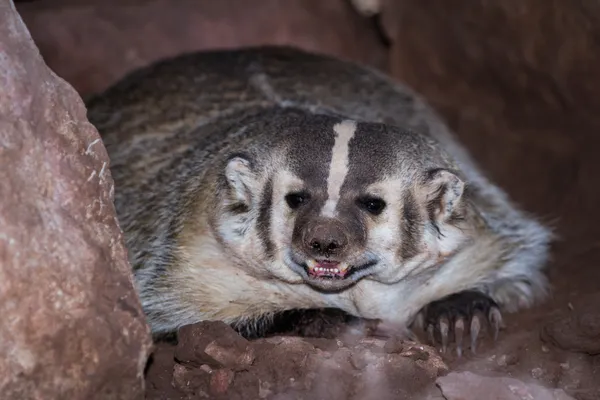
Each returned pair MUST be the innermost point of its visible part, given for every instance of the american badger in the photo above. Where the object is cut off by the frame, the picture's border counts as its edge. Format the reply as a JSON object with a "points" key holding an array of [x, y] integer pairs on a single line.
{"points": [[254, 181]]}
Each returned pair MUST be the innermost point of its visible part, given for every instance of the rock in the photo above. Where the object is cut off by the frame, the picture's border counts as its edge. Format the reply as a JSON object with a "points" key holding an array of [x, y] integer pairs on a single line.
{"points": [[579, 332], [120, 36], [214, 343], [323, 343], [284, 362], [515, 124], [508, 359], [190, 381], [220, 381], [537, 373], [417, 354], [72, 326], [394, 345], [245, 386], [282, 367], [467, 385], [236, 357], [425, 357], [161, 373]]}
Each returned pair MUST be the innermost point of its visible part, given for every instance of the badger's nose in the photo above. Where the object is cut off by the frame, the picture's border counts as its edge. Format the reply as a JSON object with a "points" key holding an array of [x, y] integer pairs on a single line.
{"points": [[326, 238]]}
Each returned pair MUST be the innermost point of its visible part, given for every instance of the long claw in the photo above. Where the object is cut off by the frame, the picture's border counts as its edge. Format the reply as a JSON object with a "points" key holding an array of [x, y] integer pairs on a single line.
{"points": [[451, 319], [496, 321], [475, 328], [459, 329], [444, 328]]}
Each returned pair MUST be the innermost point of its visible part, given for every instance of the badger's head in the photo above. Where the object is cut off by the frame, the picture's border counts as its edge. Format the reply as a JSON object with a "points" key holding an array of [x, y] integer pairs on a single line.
{"points": [[328, 202]]}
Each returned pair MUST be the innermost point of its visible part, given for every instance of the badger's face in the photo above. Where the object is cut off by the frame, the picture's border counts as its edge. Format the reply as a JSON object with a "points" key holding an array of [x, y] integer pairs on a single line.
{"points": [[341, 201]]}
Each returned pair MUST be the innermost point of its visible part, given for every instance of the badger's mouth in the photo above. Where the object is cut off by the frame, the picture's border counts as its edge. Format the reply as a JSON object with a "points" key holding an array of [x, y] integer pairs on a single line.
{"points": [[330, 274], [333, 270], [326, 269]]}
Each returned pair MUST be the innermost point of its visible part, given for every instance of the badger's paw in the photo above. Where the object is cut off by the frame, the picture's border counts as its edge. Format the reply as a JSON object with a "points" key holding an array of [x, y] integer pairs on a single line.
{"points": [[458, 315]]}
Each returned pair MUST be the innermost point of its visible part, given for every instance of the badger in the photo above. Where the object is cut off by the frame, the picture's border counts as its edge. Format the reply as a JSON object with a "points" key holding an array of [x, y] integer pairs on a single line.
{"points": [[257, 180]]}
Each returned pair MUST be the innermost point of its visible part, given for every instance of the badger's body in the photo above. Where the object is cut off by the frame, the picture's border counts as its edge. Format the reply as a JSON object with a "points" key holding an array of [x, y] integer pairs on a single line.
{"points": [[261, 180]]}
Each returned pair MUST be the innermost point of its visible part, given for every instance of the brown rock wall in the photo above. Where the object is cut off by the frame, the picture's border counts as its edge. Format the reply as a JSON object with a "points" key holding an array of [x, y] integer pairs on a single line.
{"points": [[72, 325]]}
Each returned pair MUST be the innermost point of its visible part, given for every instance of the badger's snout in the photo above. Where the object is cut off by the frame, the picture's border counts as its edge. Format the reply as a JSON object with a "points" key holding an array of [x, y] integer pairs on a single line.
{"points": [[329, 251], [324, 238]]}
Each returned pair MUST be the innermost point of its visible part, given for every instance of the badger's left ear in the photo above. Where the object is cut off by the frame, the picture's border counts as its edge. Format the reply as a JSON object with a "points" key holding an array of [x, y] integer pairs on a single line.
{"points": [[443, 194], [241, 179]]}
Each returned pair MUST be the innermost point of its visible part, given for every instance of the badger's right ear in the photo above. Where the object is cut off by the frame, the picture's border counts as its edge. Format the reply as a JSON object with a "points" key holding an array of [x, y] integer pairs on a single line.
{"points": [[241, 179]]}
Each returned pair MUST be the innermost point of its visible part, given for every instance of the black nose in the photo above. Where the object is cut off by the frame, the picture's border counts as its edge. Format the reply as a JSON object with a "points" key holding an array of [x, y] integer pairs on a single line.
{"points": [[326, 238]]}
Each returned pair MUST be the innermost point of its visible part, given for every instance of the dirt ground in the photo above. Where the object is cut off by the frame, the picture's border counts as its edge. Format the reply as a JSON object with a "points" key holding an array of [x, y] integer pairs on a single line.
{"points": [[524, 101]]}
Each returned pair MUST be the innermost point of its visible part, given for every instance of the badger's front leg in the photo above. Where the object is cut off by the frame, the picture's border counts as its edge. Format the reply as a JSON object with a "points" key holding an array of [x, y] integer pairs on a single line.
{"points": [[458, 315], [492, 257]]}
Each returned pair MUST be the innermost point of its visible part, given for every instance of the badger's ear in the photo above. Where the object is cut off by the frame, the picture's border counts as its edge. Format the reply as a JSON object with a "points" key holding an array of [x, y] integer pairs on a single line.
{"points": [[443, 194], [241, 179]]}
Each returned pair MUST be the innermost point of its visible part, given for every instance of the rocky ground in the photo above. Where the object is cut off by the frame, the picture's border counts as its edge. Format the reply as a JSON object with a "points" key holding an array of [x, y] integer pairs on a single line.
{"points": [[212, 361], [517, 81], [550, 353]]}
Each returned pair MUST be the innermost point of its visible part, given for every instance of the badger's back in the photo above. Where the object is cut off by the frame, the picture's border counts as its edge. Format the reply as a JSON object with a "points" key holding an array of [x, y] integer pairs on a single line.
{"points": [[179, 95]]}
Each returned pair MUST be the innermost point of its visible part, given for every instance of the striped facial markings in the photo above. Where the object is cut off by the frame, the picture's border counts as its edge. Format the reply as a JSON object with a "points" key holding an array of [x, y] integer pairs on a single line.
{"points": [[411, 231], [338, 168], [264, 218]]}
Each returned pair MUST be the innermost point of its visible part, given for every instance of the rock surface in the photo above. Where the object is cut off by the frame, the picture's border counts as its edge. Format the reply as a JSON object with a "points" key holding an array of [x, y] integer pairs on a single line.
{"points": [[284, 367], [523, 99], [470, 386], [213, 344], [72, 327], [119, 36], [578, 332]]}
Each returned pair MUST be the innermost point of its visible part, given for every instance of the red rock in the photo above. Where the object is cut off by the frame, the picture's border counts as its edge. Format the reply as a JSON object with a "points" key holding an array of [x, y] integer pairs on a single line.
{"points": [[236, 357], [415, 353], [191, 381], [293, 367], [245, 386], [220, 381], [467, 385], [214, 343], [578, 332], [119, 36], [72, 326], [160, 373], [394, 345], [525, 112]]}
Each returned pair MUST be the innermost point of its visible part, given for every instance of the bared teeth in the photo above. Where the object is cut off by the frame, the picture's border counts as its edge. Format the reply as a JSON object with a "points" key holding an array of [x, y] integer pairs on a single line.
{"points": [[322, 269]]}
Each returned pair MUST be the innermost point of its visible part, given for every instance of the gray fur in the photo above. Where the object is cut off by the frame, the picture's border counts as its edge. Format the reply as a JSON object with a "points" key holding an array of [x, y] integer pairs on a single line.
{"points": [[170, 130]]}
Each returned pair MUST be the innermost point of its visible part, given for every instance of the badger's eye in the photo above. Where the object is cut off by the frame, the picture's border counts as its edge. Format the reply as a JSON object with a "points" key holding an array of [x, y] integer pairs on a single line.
{"points": [[295, 200], [372, 205]]}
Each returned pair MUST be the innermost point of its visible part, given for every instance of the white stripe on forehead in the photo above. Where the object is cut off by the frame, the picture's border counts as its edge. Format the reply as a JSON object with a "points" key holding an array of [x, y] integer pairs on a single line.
{"points": [[338, 168]]}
